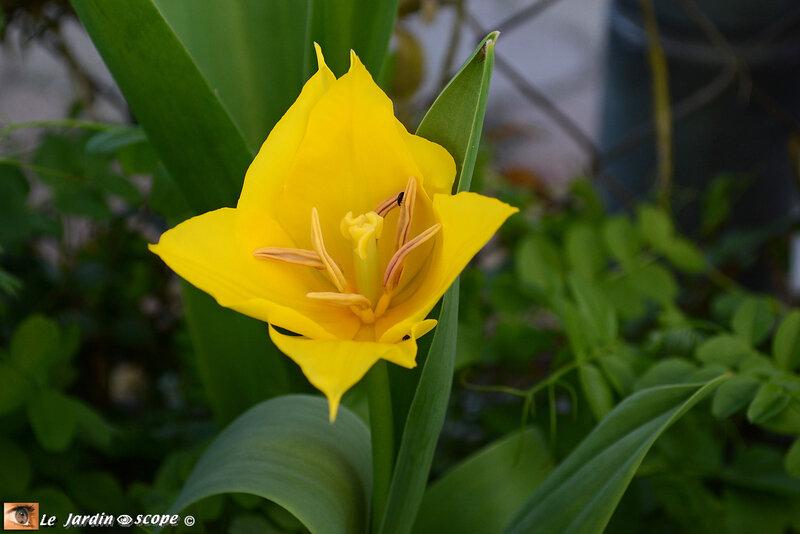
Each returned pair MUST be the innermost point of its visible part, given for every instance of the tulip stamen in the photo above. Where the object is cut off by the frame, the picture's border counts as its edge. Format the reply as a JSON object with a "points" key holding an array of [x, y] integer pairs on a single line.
{"points": [[389, 204], [356, 300], [334, 272], [408, 199], [394, 269], [294, 256]]}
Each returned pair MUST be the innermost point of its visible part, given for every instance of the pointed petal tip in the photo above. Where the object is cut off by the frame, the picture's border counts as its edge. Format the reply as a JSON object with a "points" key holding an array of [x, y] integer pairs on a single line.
{"points": [[333, 409], [320, 56]]}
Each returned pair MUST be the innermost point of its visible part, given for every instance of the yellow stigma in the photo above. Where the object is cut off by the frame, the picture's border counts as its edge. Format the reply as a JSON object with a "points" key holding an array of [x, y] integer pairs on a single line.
{"points": [[364, 232]]}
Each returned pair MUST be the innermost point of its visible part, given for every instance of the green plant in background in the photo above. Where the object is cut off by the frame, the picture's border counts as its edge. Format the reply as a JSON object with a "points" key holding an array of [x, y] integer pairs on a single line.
{"points": [[604, 329]]}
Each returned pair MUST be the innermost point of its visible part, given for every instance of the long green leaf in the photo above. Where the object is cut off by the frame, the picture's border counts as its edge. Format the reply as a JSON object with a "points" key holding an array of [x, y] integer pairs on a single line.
{"points": [[424, 422], [583, 491], [285, 450], [200, 144], [444, 123], [238, 364], [456, 125], [455, 119], [361, 25], [482, 494], [203, 149], [251, 52]]}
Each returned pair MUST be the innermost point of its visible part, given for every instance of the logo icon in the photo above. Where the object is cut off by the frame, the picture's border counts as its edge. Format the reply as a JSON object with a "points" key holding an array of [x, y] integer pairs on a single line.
{"points": [[21, 516], [124, 520]]}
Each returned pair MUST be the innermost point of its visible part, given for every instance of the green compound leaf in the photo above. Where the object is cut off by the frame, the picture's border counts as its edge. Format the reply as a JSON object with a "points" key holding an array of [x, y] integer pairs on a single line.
{"points": [[583, 491], [287, 451]]}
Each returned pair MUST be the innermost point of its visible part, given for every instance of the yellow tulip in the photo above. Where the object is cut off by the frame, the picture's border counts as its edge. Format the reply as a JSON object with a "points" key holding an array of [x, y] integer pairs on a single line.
{"points": [[346, 233]]}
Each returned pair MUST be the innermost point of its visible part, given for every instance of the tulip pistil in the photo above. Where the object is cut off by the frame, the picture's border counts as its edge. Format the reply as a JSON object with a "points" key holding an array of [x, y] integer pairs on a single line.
{"points": [[364, 232]]}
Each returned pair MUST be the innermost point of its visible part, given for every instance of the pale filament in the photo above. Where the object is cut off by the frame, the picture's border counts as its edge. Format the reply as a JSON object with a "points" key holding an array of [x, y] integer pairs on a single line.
{"points": [[319, 258], [341, 299], [406, 214], [395, 267], [389, 204], [295, 256], [335, 273]]}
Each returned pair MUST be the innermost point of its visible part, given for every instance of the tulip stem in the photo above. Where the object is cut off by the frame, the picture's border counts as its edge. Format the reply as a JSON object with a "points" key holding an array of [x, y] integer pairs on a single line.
{"points": [[382, 434]]}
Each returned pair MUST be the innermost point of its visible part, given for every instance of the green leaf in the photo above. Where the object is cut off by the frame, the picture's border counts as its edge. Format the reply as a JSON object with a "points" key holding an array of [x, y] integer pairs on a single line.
{"points": [[16, 220], [16, 473], [184, 120], [35, 346], [582, 492], [596, 390], [786, 344], [753, 320], [52, 416], [251, 524], [622, 240], [97, 490], [238, 364], [111, 140], [482, 493], [655, 226], [538, 265], [654, 282], [667, 371], [92, 427], [16, 388], [455, 119], [770, 400], [724, 349], [287, 451], [584, 249], [252, 53], [792, 461], [683, 254], [598, 314], [734, 395], [619, 373], [424, 422]]}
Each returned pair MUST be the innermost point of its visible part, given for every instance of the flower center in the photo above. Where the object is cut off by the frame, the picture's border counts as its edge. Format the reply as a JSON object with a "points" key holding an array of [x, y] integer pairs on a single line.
{"points": [[364, 232], [372, 294]]}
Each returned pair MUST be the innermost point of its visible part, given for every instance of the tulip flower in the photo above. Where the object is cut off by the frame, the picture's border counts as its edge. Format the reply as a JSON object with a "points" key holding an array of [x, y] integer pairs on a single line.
{"points": [[345, 236]]}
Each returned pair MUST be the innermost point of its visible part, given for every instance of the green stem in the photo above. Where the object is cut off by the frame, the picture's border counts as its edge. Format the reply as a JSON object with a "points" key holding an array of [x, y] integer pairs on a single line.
{"points": [[382, 434]]}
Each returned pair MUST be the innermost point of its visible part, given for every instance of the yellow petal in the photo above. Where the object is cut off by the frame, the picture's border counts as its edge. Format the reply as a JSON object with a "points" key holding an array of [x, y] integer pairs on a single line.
{"points": [[214, 252], [468, 221], [334, 366], [354, 155], [266, 175], [435, 163]]}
